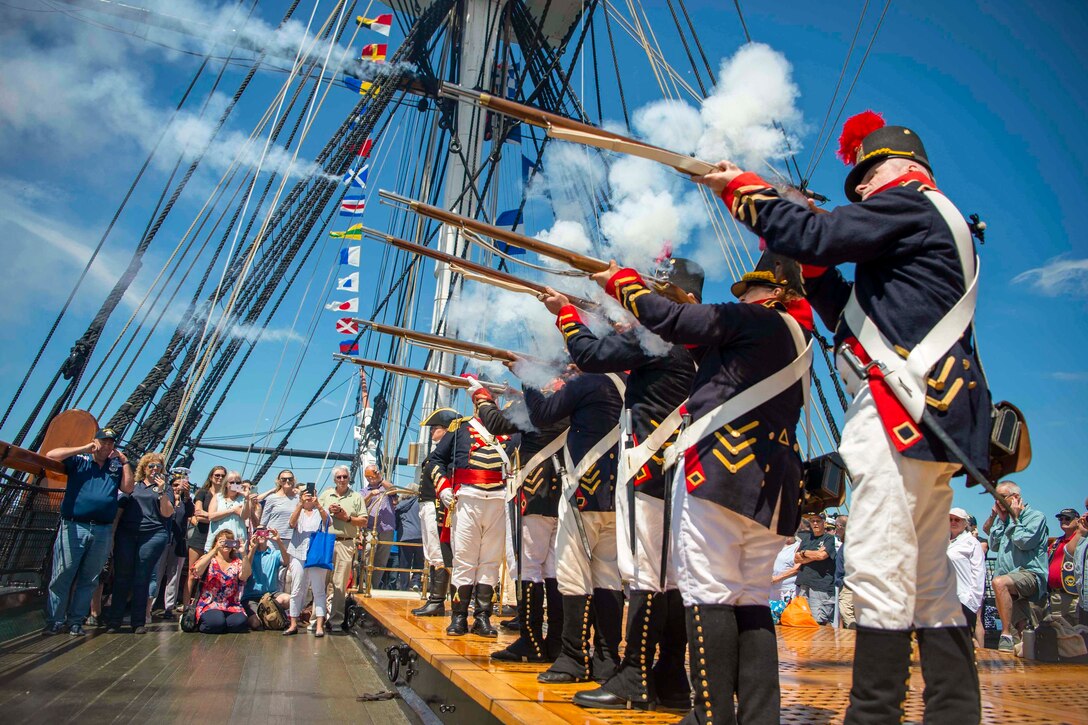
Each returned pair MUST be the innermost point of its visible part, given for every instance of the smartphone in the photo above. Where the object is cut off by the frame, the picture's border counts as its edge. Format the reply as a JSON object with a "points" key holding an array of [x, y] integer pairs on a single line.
{"points": [[262, 533], [311, 488], [236, 487], [232, 544]]}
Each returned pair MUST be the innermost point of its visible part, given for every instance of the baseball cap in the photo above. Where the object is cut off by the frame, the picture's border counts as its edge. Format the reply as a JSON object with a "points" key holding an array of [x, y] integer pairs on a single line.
{"points": [[1072, 513], [105, 434], [960, 514]]}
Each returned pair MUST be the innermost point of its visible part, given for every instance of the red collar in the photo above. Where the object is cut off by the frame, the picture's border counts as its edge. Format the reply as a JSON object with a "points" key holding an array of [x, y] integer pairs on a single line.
{"points": [[904, 179], [798, 309]]}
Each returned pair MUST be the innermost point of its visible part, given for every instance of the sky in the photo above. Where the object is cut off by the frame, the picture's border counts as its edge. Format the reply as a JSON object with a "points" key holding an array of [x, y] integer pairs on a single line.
{"points": [[994, 89]]}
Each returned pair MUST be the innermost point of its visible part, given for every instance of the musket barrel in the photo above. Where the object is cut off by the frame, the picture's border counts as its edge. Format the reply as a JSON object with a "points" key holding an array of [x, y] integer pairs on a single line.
{"points": [[445, 343], [451, 381]]}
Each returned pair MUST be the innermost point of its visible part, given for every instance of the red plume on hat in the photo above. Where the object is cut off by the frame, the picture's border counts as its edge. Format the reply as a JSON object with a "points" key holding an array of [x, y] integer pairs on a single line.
{"points": [[854, 132]]}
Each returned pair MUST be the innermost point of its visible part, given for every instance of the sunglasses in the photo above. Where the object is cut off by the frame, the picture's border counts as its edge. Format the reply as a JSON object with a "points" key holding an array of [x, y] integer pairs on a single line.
{"points": [[285, 479], [218, 475], [154, 465], [1065, 519], [339, 477]]}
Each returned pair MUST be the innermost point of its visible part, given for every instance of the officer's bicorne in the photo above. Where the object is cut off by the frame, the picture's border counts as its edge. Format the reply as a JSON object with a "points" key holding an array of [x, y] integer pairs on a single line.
{"points": [[656, 385], [539, 494], [752, 465], [430, 473], [592, 403], [908, 275]]}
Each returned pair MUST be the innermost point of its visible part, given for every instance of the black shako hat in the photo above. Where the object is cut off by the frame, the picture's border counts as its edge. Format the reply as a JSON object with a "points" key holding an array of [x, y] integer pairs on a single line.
{"points": [[682, 273], [866, 141], [772, 270], [442, 417]]}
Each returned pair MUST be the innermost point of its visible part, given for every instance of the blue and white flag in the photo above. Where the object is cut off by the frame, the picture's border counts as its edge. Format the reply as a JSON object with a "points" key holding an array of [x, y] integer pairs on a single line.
{"points": [[349, 283], [526, 169], [352, 205], [357, 177], [509, 219], [350, 256]]}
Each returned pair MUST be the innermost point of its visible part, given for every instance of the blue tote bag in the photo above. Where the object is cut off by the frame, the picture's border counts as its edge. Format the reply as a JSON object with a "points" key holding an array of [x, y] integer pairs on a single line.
{"points": [[322, 544]]}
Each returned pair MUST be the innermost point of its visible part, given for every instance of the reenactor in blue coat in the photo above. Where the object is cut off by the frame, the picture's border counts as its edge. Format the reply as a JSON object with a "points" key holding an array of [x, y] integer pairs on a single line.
{"points": [[585, 549], [473, 463], [657, 386], [438, 554], [738, 475], [538, 501], [905, 348]]}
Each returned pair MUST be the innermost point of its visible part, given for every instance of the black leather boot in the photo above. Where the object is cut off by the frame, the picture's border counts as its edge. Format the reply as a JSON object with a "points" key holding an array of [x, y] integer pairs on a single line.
{"points": [[948, 667], [881, 676], [437, 586], [607, 632], [712, 645], [632, 686], [553, 642], [459, 619], [670, 672], [758, 694], [574, 662], [481, 624], [529, 646]]}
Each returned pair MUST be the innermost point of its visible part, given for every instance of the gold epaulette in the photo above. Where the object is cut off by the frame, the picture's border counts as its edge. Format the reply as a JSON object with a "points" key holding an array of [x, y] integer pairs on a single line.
{"points": [[458, 421]]}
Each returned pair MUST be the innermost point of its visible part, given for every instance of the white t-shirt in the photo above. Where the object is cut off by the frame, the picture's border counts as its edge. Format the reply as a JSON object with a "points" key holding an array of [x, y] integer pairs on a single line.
{"points": [[786, 588], [308, 522], [967, 559]]}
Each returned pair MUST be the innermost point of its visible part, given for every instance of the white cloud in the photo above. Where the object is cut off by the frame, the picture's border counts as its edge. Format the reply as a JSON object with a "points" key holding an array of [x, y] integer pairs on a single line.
{"points": [[1069, 377], [1059, 276]]}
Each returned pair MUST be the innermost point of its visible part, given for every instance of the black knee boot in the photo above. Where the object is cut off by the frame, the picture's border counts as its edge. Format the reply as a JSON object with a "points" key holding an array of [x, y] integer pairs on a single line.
{"points": [[632, 686], [573, 663], [529, 646], [670, 674], [607, 632], [948, 667], [481, 624], [437, 585], [758, 695], [881, 676], [553, 643], [712, 645], [459, 618]]}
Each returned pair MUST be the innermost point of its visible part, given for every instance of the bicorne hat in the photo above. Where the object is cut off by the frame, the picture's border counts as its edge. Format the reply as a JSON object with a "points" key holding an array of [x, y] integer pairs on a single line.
{"points": [[683, 274], [442, 417], [866, 141], [772, 270]]}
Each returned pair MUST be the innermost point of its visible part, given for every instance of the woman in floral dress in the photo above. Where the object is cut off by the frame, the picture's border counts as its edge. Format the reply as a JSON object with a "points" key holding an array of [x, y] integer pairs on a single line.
{"points": [[223, 573]]}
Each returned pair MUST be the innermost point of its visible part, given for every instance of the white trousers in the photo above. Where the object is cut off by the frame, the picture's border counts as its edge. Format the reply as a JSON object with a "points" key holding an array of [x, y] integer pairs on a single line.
{"points": [[428, 526], [577, 573], [643, 570], [897, 536], [721, 557], [537, 549], [477, 533], [306, 582]]}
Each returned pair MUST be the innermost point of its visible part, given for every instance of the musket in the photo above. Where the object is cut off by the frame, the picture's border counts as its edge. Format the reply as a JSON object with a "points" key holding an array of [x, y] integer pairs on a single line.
{"points": [[581, 262], [479, 272], [450, 381], [566, 129], [475, 350]]}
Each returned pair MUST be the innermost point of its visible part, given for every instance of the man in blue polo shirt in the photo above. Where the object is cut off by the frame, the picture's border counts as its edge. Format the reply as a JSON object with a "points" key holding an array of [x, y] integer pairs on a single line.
{"points": [[96, 472]]}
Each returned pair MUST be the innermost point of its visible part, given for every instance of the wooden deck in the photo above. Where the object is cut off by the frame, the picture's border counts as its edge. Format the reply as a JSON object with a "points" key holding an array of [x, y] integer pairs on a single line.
{"points": [[815, 667], [166, 676]]}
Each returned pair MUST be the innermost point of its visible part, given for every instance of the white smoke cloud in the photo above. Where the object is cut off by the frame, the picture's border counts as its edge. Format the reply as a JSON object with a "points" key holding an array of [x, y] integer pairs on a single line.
{"points": [[755, 90]]}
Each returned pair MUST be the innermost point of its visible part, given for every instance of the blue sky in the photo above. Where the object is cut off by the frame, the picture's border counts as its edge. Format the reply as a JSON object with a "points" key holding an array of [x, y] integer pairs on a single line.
{"points": [[995, 90]]}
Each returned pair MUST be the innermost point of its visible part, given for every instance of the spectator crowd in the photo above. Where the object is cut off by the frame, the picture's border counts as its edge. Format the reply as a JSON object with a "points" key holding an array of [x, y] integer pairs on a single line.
{"points": [[134, 544]]}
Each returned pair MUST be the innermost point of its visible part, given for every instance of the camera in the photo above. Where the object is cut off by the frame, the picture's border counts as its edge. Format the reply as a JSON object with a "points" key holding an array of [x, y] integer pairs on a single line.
{"points": [[260, 533], [232, 543], [236, 487]]}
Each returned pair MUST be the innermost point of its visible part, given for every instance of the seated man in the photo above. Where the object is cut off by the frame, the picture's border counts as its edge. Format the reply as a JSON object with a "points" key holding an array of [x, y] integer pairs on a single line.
{"points": [[1018, 542], [265, 579]]}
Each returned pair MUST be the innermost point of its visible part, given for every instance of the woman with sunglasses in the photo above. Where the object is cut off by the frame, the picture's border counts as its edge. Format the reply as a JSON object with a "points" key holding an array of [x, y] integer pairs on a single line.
{"points": [[143, 530], [199, 525], [230, 509], [223, 572]]}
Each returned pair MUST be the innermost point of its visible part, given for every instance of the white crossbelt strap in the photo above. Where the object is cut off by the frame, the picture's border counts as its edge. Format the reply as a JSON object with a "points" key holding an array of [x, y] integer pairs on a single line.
{"points": [[906, 377], [748, 399], [490, 440], [618, 382], [635, 458], [535, 462], [611, 438]]}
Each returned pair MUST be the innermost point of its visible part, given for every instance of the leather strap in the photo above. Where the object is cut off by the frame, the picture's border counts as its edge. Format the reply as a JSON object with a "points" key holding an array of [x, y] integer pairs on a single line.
{"points": [[635, 458], [748, 399], [535, 462], [906, 377]]}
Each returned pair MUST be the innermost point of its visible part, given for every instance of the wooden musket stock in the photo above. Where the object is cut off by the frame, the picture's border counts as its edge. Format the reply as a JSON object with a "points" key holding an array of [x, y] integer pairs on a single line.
{"points": [[450, 381]]}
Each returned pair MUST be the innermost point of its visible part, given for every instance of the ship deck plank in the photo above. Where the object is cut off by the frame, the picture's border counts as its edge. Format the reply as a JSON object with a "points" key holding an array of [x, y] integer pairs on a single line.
{"points": [[172, 677], [815, 669]]}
